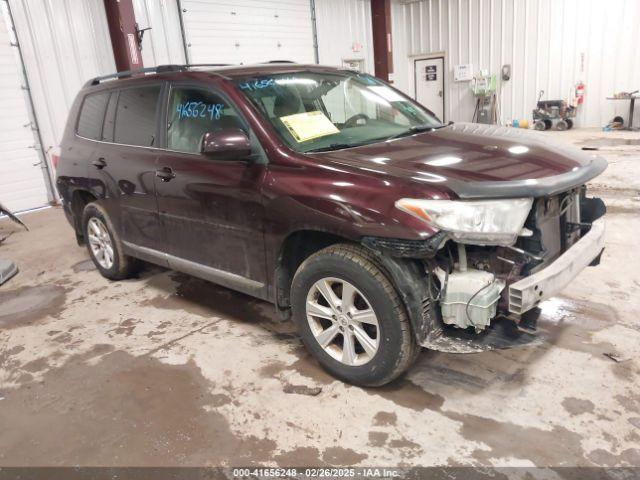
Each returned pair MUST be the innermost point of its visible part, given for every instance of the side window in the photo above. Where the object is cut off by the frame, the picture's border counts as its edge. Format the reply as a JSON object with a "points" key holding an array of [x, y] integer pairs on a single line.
{"points": [[194, 112], [110, 118], [92, 115], [136, 116]]}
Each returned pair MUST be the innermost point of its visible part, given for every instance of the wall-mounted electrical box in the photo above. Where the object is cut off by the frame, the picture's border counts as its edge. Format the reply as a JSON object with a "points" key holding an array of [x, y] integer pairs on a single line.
{"points": [[506, 72]]}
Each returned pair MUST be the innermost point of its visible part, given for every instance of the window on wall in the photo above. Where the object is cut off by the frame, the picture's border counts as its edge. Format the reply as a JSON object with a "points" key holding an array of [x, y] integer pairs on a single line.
{"points": [[194, 112], [135, 122], [92, 116]]}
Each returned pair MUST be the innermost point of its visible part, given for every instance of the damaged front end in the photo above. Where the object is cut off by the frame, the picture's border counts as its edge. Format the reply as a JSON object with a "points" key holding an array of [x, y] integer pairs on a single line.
{"points": [[477, 287]]}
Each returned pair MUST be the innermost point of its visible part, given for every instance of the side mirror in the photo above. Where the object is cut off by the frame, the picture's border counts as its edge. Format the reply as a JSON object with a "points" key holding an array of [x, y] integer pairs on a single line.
{"points": [[227, 144]]}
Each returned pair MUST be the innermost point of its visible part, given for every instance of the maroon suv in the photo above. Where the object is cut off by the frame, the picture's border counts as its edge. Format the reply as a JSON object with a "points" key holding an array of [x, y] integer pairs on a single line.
{"points": [[336, 197]]}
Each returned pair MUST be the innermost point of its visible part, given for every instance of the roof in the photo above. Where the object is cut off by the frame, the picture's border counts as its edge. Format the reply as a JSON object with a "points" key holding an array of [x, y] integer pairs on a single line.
{"points": [[226, 71]]}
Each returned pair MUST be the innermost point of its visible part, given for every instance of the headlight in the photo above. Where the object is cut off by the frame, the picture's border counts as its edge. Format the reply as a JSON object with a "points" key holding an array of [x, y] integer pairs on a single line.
{"points": [[484, 222]]}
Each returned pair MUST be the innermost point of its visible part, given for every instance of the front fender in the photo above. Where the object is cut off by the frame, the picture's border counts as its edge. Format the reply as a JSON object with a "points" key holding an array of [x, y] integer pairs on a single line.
{"points": [[411, 282]]}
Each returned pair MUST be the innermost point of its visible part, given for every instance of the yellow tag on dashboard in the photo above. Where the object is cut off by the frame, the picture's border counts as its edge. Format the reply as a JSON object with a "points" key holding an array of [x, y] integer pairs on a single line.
{"points": [[308, 125]]}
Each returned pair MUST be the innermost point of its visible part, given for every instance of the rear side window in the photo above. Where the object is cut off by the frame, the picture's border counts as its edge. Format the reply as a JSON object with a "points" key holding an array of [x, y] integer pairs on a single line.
{"points": [[136, 116], [92, 116]]}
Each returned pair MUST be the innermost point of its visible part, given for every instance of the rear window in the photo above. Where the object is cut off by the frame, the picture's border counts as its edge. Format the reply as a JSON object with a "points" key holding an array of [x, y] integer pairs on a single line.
{"points": [[136, 116], [92, 116]]}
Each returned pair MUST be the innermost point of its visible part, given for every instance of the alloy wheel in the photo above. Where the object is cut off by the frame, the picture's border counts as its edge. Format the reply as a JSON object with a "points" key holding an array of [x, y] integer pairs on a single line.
{"points": [[342, 321], [100, 243]]}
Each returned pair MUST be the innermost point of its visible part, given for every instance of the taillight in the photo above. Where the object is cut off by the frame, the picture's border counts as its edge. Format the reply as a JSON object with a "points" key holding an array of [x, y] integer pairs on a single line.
{"points": [[55, 156]]}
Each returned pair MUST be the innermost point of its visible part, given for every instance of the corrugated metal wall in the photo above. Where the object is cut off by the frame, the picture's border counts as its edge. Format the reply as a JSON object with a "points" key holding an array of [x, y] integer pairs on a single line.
{"points": [[162, 44], [551, 45], [247, 31], [344, 32], [22, 180], [63, 44], [343, 28]]}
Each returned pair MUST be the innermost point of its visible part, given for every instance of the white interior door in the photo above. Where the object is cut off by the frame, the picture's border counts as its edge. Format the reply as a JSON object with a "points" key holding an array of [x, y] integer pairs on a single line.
{"points": [[248, 31], [22, 183], [429, 81]]}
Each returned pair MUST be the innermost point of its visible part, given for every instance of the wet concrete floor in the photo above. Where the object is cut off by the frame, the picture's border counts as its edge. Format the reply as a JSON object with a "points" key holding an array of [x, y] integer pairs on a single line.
{"points": [[165, 369]]}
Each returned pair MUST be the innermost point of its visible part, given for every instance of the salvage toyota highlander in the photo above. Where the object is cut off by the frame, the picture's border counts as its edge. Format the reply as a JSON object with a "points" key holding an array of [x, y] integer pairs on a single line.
{"points": [[358, 213]]}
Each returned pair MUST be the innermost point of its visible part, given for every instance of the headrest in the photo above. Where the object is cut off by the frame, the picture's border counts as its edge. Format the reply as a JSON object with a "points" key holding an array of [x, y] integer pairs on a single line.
{"points": [[287, 104]]}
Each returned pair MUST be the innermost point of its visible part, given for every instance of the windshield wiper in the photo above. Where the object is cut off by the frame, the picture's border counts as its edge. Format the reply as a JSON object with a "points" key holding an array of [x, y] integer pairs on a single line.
{"points": [[412, 130], [333, 146], [409, 131]]}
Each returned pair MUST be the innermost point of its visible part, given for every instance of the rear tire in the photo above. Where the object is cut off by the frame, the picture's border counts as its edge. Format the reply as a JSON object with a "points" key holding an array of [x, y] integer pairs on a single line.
{"points": [[358, 330], [104, 244], [562, 125]]}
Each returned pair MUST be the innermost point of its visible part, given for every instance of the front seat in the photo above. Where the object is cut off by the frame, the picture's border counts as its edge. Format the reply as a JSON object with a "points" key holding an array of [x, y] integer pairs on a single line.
{"points": [[287, 104]]}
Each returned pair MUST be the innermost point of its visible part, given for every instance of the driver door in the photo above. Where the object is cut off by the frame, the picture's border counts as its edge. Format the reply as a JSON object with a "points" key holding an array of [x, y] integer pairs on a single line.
{"points": [[211, 210]]}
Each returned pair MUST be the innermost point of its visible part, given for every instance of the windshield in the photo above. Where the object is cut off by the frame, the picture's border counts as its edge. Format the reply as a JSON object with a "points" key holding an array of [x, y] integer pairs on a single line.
{"points": [[328, 111]]}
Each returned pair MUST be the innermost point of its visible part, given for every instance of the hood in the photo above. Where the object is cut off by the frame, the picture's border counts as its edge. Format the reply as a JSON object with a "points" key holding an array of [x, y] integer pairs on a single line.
{"points": [[478, 161]]}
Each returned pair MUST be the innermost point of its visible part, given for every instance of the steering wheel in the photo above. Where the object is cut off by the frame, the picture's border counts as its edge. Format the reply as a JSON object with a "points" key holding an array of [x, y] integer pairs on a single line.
{"points": [[352, 120]]}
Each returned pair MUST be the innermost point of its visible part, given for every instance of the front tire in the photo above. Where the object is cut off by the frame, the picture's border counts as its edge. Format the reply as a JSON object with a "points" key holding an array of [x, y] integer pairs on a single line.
{"points": [[104, 245], [540, 125], [350, 316]]}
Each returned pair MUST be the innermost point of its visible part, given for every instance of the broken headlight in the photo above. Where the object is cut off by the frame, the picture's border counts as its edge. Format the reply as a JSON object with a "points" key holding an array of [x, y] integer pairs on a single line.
{"points": [[483, 222]]}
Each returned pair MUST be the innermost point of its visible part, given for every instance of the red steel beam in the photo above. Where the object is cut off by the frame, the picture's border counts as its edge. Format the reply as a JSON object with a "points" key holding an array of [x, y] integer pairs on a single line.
{"points": [[381, 25], [124, 34]]}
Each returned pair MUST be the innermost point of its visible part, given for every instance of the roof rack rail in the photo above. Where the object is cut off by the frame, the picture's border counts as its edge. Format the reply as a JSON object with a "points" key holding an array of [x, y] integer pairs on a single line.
{"points": [[128, 73], [198, 65], [156, 69]]}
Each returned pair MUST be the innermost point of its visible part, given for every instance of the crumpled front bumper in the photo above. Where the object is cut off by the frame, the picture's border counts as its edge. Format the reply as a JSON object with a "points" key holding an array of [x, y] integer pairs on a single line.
{"points": [[530, 291]]}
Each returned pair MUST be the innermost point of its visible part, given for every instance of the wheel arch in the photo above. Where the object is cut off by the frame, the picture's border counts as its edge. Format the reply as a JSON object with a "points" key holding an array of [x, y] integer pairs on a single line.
{"points": [[410, 279], [80, 199], [294, 249], [407, 275]]}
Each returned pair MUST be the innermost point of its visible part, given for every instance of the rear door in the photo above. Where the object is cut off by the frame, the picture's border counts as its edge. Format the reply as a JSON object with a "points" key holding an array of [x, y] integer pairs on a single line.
{"points": [[89, 148], [211, 210], [126, 164]]}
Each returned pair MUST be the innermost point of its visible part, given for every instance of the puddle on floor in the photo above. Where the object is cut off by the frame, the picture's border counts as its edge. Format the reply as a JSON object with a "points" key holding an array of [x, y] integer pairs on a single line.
{"points": [[122, 410], [28, 304]]}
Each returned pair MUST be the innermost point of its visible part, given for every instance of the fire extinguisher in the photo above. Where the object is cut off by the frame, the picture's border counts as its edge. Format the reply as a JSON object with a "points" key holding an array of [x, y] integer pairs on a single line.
{"points": [[579, 93]]}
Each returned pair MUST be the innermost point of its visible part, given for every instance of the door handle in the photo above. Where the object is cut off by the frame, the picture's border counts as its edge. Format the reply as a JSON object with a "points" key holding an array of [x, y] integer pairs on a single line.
{"points": [[100, 163], [165, 174]]}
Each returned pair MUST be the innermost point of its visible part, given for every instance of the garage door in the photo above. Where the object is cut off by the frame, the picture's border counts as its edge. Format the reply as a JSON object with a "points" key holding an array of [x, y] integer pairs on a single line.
{"points": [[22, 183], [248, 31]]}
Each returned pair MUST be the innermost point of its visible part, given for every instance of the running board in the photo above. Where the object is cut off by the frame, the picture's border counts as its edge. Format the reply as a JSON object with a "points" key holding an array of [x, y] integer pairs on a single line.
{"points": [[205, 272]]}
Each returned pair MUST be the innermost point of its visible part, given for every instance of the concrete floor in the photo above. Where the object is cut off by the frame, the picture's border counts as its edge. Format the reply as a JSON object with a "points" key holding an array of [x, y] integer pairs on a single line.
{"points": [[170, 370]]}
